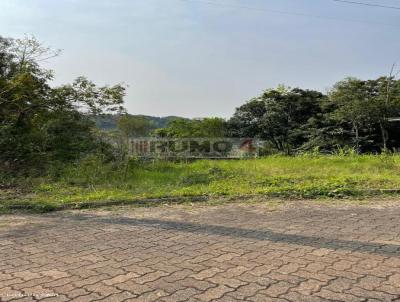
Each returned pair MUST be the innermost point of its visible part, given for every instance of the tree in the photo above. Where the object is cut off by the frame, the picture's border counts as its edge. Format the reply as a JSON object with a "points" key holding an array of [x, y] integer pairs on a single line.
{"points": [[367, 107], [353, 105], [135, 126], [278, 116], [247, 119], [84, 96], [288, 111], [385, 95], [324, 132], [212, 127], [39, 123]]}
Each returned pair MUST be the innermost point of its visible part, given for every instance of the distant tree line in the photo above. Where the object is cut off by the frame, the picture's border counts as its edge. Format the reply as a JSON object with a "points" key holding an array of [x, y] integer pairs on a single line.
{"points": [[363, 115], [109, 122]]}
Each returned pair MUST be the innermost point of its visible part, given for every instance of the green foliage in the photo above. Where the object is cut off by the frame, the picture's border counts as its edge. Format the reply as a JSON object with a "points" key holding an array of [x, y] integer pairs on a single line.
{"points": [[279, 116], [366, 107], [109, 122], [48, 135], [207, 127], [356, 114], [135, 126], [92, 180], [40, 124]]}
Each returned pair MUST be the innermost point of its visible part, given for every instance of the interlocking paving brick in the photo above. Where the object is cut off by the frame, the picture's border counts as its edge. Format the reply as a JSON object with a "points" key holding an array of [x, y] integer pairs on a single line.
{"points": [[181, 295], [89, 297], [120, 278], [155, 295], [101, 289], [55, 274], [394, 279], [151, 277], [214, 293], [309, 287], [134, 288], [210, 272], [57, 298], [197, 284], [122, 296], [247, 291], [220, 279], [27, 275], [278, 289], [330, 295], [237, 252]]}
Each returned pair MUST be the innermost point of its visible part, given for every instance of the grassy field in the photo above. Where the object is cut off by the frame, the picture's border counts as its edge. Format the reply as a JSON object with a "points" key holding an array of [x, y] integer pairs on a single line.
{"points": [[276, 176]]}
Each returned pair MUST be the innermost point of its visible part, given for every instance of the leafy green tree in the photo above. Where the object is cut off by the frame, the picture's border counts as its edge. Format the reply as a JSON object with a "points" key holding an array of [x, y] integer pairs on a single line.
{"points": [[278, 116], [207, 127], [367, 107], [39, 123], [288, 111], [247, 119], [211, 127], [353, 105], [84, 96], [324, 132], [385, 95], [135, 126]]}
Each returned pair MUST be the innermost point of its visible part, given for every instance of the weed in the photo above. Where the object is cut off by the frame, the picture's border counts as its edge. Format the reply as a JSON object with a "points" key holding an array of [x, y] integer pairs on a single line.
{"points": [[310, 176]]}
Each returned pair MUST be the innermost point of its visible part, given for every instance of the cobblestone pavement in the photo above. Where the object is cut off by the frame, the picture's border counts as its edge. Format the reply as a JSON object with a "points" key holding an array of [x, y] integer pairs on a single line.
{"points": [[237, 252]]}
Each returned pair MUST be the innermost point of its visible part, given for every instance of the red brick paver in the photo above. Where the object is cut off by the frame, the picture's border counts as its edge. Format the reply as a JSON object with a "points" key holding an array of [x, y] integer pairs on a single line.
{"points": [[221, 253]]}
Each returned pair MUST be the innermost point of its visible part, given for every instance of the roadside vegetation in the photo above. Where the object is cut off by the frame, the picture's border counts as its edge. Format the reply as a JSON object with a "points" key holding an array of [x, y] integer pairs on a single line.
{"points": [[308, 176], [54, 154]]}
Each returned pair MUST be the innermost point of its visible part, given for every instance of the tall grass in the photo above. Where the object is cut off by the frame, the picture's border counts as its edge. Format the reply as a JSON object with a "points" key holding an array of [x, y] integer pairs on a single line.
{"points": [[307, 176]]}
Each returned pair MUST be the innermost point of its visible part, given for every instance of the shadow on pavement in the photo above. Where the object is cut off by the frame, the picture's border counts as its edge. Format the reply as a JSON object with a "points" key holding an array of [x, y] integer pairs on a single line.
{"points": [[311, 241]]}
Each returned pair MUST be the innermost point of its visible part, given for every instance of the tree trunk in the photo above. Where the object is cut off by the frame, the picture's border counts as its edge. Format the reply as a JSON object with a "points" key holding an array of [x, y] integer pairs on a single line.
{"points": [[384, 135], [356, 131]]}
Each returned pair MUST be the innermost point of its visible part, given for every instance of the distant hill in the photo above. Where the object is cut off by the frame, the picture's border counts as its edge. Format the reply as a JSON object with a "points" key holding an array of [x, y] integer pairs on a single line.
{"points": [[108, 122]]}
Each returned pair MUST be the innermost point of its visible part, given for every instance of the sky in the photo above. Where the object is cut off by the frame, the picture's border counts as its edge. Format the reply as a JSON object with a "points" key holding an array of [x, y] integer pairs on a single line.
{"points": [[198, 58]]}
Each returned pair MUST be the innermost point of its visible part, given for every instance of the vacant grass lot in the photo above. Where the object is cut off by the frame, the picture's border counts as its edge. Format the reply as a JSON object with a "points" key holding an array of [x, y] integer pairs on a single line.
{"points": [[275, 176]]}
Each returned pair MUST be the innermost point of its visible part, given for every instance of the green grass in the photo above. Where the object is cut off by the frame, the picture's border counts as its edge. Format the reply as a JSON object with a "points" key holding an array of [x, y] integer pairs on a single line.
{"points": [[276, 176]]}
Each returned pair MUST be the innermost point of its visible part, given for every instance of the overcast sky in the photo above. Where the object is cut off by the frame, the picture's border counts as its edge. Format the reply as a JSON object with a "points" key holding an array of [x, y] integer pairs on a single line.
{"points": [[195, 59]]}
